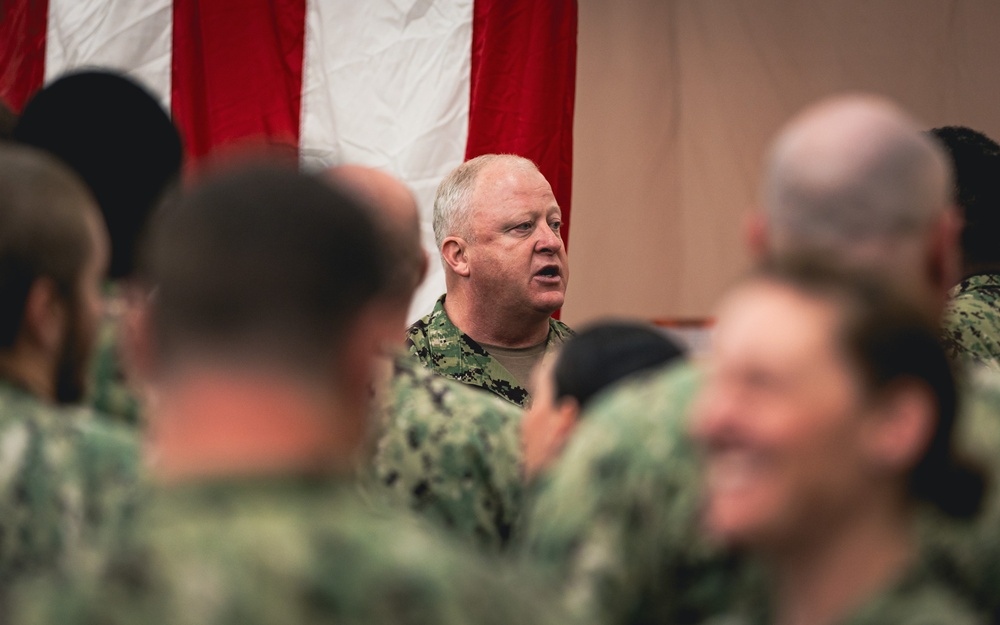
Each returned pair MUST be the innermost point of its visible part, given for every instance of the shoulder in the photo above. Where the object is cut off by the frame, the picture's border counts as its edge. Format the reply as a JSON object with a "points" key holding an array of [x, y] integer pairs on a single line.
{"points": [[431, 330], [919, 600], [971, 325], [559, 332]]}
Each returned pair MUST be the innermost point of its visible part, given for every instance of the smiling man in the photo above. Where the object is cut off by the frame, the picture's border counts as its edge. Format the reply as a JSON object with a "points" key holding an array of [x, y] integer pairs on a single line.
{"points": [[496, 223]]}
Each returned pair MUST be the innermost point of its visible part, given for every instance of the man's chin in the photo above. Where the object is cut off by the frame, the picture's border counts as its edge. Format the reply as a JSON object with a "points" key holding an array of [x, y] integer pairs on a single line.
{"points": [[550, 304]]}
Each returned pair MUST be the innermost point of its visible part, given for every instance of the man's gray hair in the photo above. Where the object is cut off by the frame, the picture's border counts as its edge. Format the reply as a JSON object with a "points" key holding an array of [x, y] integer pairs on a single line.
{"points": [[453, 202], [855, 171]]}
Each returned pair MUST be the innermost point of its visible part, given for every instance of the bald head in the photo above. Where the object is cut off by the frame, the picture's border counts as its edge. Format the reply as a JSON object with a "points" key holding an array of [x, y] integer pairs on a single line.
{"points": [[395, 210], [853, 175]]}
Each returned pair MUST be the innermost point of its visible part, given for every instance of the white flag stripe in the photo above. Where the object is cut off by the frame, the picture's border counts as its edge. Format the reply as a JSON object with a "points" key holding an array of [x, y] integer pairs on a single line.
{"points": [[386, 84], [135, 37]]}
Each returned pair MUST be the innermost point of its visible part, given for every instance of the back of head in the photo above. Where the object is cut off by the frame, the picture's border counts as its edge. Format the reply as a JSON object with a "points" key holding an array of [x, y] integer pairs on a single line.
{"points": [[394, 209], [43, 231], [853, 176], [976, 161], [888, 341], [263, 265], [453, 201], [118, 138], [605, 353]]}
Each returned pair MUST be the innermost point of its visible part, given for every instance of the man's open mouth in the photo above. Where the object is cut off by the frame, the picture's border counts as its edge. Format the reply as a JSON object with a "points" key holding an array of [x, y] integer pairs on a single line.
{"points": [[549, 271]]}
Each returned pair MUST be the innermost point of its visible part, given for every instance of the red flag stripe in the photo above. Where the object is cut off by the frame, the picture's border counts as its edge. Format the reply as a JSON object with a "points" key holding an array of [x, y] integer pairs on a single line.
{"points": [[23, 25], [523, 86], [237, 72]]}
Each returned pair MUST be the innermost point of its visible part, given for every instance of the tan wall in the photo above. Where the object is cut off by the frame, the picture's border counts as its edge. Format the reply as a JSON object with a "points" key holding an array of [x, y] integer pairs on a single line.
{"points": [[676, 102]]}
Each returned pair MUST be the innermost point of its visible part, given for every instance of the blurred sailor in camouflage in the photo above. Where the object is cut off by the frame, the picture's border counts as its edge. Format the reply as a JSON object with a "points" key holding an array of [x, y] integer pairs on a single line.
{"points": [[497, 224], [66, 478], [122, 143], [972, 318], [264, 325], [851, 178], [826, 418], [446, 450]]}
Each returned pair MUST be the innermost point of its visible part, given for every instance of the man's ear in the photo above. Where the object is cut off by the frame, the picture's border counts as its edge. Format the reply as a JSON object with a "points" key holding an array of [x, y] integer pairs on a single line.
{"points": [[899, 431], [453, 250], [945, 254], [755, 234], [567, 415], [139, 345], [45, 315]]}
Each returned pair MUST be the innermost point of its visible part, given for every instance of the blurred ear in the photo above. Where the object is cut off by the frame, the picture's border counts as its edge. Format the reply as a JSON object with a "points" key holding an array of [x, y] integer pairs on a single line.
{"points": [[453, 250], [900, 428], [424, 266], [45, 316], [755, 234], [945, 255], [138, 344], [567, 415]]}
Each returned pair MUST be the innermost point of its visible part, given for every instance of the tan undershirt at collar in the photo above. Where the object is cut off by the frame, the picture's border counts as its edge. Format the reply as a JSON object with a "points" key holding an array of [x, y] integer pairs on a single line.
{"points": [[518, 360]]}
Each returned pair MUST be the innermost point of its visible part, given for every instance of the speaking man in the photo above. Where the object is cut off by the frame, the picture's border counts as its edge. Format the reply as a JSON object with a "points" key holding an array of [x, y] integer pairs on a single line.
{"points": [[497, 224]]}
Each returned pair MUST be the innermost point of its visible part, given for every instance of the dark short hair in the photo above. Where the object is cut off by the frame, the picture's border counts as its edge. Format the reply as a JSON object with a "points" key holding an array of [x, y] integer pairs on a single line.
{"points": [[43, 231], [118, 138], [888, 340], [976, 160], [264, 260], [608, 352]]}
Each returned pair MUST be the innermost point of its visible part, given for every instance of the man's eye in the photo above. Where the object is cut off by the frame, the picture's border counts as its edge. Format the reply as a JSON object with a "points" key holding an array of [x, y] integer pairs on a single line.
{"points": [[555, 225], [523, 227]]}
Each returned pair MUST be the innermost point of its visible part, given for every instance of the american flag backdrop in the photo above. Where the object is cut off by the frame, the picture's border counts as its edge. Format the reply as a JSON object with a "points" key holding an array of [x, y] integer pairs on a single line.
{"points": [[410, 86]]}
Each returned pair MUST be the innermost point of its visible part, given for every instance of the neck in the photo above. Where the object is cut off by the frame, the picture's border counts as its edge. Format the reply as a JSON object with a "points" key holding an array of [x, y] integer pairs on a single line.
{"points": [[487, 322], [821, 583], [212, 424], [30, 371]]}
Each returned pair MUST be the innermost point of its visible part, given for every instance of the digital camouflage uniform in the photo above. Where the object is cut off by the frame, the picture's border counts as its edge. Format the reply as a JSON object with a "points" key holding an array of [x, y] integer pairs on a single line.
{"points": [[918, 597], [109, 392], [616, 518], [279, 550], [444, 349], [972, 320], [449, 452], [66, 480]]}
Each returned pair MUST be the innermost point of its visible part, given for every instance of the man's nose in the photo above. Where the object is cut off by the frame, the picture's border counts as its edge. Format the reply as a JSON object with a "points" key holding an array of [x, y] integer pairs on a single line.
{"points": [[714, 416], [549, 240]]}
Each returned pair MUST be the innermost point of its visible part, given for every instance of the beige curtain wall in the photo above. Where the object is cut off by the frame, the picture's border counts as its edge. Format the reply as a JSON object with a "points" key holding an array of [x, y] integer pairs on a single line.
{"points": [[677, 101]]}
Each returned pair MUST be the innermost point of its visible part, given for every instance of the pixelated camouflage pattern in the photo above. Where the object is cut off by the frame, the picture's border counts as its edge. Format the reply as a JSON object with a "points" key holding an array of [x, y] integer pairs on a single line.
{"points": [[444, 349], [617, 516], [972, 321], [918, 596], [278, 551], [109, 392], [449, 452], [970, 551], [67, 481]]}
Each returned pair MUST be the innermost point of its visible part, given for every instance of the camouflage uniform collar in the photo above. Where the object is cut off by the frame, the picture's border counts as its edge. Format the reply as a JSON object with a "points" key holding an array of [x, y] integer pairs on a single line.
{"points": [[217, 489], [16, 388], [977, 281], [445, 349]]}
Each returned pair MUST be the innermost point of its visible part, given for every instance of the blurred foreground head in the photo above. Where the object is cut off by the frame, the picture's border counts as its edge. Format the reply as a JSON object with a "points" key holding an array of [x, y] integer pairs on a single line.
{"points": [[394, 210], [853, 179], [263, 267], [829, 403], [53, 257], [118, 138], [565, 383]]}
